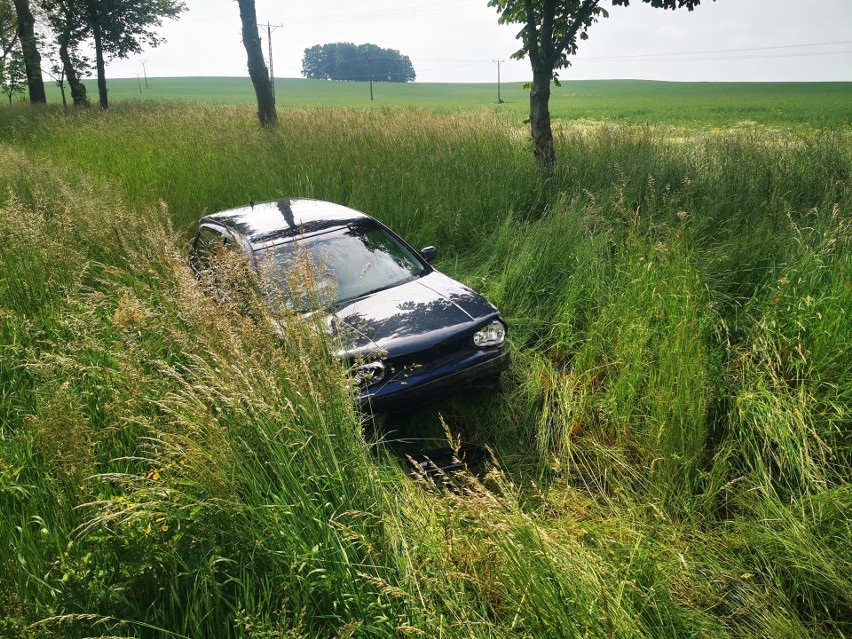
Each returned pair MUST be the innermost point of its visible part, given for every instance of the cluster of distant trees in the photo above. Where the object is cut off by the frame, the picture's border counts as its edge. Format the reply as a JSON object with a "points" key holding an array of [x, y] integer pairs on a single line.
{"points": [[360, 63], [116, 28]]}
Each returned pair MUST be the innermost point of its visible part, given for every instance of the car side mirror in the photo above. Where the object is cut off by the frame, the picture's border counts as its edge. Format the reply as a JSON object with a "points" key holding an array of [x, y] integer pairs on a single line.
{"points": [[428, 253]]}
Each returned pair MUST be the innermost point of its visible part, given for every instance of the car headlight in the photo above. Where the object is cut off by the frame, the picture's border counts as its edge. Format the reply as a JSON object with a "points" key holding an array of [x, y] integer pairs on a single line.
{"points": [[492, 334], [367, 374]]}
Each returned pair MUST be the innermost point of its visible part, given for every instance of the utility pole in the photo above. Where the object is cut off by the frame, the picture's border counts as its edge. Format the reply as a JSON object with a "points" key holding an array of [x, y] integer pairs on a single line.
{"points": [[144, 72], [269, 29], [139, 82], [499, 62], [370, 65]]}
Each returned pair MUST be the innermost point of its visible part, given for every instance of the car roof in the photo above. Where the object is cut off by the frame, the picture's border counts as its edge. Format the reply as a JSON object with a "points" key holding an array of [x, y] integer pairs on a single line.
{"points": [[269, 222]]}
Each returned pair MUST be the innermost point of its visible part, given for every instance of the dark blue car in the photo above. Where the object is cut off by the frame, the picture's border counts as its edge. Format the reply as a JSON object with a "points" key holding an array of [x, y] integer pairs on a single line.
{"points": [[412, 334]]}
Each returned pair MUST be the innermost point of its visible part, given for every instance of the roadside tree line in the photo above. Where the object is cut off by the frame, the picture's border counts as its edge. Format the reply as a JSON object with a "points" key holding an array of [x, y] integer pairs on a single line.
{"points": [[62, 29], [550, 34]]}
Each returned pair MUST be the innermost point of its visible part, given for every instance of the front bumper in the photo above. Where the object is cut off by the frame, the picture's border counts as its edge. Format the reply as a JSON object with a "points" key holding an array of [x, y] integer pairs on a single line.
{"points": [[417, 387]]}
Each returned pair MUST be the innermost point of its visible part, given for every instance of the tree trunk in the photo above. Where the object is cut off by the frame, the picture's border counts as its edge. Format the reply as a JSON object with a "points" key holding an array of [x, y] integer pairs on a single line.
{"points": [[32, 59], [78, 89], [542, 134], [256, 66], [99, 62]]}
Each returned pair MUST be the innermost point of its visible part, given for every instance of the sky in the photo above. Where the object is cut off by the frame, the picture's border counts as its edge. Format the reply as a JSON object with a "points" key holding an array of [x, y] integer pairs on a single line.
{"points": [[460, 40]]}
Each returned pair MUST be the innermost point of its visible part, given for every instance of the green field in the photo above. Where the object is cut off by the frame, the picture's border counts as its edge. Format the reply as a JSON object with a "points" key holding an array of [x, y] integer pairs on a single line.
{"points": [[672, 441], [628, 101]]}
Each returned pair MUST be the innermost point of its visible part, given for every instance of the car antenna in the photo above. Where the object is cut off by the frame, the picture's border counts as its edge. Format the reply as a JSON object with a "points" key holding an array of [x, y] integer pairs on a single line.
{"points": [[251, 203]]}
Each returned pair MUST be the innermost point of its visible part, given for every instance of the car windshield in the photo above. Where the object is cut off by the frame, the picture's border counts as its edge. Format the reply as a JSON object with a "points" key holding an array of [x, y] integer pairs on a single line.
{"points": [[331, 268]]}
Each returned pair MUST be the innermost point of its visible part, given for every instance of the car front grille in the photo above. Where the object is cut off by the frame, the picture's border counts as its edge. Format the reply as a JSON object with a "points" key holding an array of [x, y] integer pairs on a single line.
{"points": [[428, 359]]}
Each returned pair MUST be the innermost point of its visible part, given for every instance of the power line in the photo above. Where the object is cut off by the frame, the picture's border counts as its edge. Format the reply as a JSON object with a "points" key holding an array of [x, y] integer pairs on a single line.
{"points": [[475, 63], [385, 14], [466, 60], [468, 63], [779, 55], [717, 51], [479, 61]]}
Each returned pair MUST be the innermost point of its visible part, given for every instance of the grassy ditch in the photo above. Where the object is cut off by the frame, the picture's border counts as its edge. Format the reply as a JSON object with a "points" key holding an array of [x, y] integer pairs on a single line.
{"points": [[673, 434]]}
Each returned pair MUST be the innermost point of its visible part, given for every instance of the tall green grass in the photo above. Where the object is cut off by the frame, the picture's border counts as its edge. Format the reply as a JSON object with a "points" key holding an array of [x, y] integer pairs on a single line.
{"points": [[672, 435]]}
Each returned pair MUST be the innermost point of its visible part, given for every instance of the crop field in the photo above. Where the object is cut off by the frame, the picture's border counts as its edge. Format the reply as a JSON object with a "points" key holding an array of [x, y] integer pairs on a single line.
{"points": [[672, 442], [805, 105]]}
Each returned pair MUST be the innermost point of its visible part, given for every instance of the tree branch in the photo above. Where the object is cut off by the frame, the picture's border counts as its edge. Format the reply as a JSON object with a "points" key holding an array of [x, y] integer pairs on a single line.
{"points": [[547, 13], [583, 14], [532, 40]]}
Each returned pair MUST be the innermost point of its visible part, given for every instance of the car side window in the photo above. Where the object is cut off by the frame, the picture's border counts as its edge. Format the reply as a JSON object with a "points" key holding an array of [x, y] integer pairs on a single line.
{"points": [[207, 240]]}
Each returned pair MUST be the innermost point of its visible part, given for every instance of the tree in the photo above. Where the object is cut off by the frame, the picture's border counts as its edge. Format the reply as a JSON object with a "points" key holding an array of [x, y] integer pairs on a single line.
{"points": [[57, 73], [67, 19], [13, 74], [359, 63], [8, 28], [29, 47], [121, 28], [256, 66], [317, 61], [549, 36]]}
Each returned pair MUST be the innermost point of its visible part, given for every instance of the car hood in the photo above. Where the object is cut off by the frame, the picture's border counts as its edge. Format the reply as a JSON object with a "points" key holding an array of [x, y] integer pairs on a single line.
{"points": [[410, 317]]}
